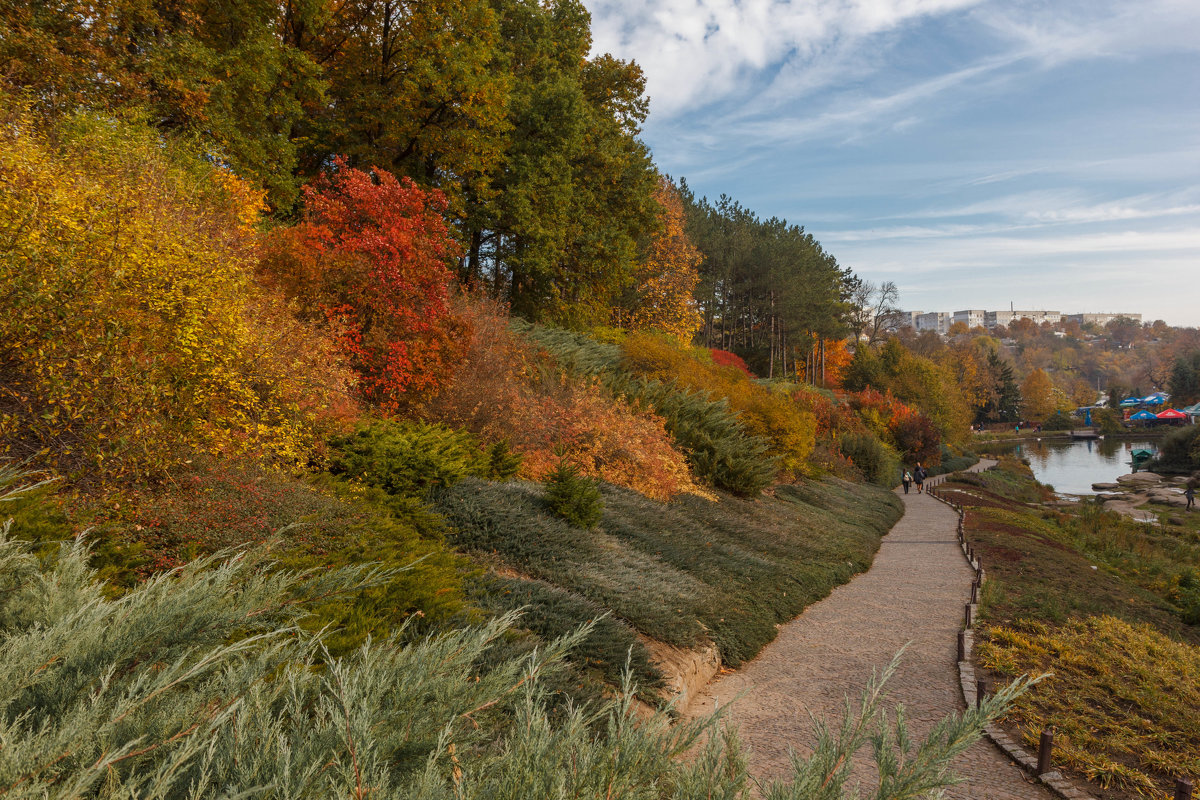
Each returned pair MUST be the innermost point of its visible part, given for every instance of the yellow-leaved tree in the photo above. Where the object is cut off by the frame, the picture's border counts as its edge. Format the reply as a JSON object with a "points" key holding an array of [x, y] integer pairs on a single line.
{"points": [[131, 334], [1038, 395], [664, 281]]}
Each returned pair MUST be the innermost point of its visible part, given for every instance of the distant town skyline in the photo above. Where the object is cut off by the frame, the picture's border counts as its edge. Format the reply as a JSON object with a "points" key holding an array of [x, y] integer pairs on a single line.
{"points": [[1044, 154]]}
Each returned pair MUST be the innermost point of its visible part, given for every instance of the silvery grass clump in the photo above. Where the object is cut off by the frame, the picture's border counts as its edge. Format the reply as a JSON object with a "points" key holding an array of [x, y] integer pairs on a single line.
{"points": [[200, 684]]}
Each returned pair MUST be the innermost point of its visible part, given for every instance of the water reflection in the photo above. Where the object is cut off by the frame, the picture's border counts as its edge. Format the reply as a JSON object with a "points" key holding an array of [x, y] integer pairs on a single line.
{"points": [[1072, 467]]}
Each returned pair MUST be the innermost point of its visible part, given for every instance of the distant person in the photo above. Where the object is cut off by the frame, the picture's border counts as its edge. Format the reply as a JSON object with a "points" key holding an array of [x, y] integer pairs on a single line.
{"points": [[919, 477], [906, 479], [1189, 493]]}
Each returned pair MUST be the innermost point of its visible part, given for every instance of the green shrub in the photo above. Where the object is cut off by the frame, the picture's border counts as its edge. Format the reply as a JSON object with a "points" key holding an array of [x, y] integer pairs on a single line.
{"points": [[788, 429], [573, 497], [952, 462], [405, 458], [309, 524], [1108, 420], [1178, 451], [1059, 421], [878, 463], [551, 612]]}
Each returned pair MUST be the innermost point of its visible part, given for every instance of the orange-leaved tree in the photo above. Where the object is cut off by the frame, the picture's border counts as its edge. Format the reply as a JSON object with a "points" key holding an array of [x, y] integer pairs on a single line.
{"points": [[663, 282], [371, 257]]}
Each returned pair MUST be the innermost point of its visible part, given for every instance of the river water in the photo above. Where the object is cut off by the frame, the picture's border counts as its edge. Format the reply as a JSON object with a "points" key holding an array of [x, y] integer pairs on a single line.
{"points": [[1071, 467]]}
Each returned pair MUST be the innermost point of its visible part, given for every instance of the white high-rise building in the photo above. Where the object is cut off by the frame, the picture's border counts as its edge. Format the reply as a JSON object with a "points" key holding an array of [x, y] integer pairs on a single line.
{"points": [[936, 321], [994, 319], [1101, 319], [972, 317]]}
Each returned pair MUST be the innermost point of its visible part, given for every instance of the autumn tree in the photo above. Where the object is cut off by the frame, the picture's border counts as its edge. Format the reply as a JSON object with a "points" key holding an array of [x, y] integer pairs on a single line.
{"points": [[661, 297], [1037, 394], [415, 89], [371, 257], [217, 72], [837, 361], [130, 328]]}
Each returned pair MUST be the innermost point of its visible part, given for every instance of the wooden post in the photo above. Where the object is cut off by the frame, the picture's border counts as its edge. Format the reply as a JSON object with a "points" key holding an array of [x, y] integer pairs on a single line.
{"points": [[962, 645], [975, 591], [981, 688], [1183, 789], [967, 616], [1045, 750]]}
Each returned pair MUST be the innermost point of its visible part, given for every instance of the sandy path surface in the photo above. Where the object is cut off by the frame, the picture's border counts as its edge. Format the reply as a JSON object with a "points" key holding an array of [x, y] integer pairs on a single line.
{"points": [[914, 592]]}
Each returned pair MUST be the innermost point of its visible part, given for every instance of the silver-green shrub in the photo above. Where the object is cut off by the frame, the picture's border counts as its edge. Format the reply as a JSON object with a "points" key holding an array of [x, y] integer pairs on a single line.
{"points": [[200, 684]]}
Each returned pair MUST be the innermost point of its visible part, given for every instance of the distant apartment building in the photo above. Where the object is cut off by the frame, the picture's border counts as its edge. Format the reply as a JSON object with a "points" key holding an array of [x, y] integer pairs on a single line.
{"points": [[1102, 319], [936, 321], [995, 319], [972, 317]]}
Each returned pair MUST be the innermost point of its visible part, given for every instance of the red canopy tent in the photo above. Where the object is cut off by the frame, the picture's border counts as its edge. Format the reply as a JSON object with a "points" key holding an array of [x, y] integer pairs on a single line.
{"points": [[1171, 414]]}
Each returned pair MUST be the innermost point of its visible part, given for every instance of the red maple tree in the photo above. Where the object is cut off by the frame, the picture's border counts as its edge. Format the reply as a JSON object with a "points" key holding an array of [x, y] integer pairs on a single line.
{"points": [[372, 256]]}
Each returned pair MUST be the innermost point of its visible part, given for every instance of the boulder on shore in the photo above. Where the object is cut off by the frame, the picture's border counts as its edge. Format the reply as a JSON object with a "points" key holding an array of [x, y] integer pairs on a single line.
{"points": [[1105, 487], [1140, 479]]}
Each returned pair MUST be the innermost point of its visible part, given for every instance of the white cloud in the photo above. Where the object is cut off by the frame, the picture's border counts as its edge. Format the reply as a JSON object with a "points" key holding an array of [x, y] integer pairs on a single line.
{"points": [[697, 51]]}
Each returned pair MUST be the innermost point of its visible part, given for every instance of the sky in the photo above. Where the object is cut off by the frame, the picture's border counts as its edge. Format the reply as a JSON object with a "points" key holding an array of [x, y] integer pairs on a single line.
{"points": [[1043, 153]]}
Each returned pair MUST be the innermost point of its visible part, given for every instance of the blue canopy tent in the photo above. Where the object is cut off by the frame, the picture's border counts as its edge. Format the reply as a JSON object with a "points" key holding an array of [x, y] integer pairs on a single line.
{"points": [[1156, 399], [1130, 402], [1144, 416]]}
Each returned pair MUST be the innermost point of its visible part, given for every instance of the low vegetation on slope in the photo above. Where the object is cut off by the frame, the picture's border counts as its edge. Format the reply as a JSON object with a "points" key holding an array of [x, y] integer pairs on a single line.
{"points": [[156, 693], [687, 572], [1103, 603]]}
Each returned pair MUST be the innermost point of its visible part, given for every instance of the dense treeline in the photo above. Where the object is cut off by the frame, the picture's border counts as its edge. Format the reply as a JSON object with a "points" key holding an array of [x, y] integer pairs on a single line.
{"points": [[768, 290], [498, 105]]}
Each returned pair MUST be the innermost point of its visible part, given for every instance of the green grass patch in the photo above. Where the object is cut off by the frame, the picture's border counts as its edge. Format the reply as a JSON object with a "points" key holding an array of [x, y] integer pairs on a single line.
{"points": [[689, 571]]}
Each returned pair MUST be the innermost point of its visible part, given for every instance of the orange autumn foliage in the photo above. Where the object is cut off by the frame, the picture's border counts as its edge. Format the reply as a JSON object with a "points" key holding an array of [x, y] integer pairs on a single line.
{"points": [[837, 359], [765, 412], [371, 259], [506, 388], [667, 275]]}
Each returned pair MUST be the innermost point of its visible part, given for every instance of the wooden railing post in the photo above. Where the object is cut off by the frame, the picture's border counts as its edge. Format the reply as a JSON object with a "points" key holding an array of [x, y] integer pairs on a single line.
{"points": [[1045, 751]]}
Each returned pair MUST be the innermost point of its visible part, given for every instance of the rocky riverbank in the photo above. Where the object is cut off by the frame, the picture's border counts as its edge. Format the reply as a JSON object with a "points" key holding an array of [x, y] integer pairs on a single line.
{"points": [[1130, 492]]}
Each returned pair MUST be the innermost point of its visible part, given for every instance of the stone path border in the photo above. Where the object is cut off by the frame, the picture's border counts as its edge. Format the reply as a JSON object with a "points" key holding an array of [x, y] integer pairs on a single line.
{"points": [[1054, 780]]}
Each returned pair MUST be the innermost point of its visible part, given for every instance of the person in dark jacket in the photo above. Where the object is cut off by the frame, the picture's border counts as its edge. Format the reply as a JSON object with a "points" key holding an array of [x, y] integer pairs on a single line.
{"points": [[906, 479], [919, 475]]}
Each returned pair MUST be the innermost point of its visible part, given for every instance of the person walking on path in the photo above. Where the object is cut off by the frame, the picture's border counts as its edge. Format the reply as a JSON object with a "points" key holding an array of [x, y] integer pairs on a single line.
{"points": [[919, 476], [1189, 493], [906, 479]]}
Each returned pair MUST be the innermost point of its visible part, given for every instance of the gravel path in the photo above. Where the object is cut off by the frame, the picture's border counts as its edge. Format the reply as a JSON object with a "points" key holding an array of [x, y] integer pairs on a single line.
{"points": [[914, 591]]}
